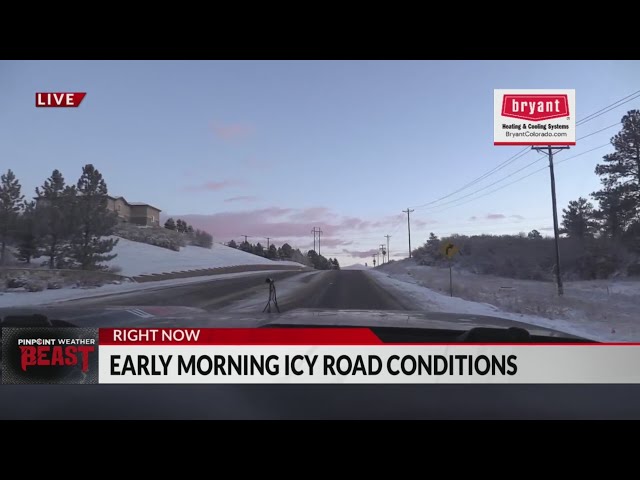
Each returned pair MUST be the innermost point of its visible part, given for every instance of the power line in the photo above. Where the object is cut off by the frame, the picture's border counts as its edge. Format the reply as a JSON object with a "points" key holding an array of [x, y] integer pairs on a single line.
{"points": [[610, 107], [525, 176], [518, 171]]}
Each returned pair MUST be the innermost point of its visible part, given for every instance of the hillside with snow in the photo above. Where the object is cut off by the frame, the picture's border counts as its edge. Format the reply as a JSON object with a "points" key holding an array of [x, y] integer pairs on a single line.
{"points": [[136, 258]]}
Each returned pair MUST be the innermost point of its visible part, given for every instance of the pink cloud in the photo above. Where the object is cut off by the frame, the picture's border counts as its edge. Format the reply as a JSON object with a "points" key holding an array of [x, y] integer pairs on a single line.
{"points": [[495, 216], [360, 253], [242, 198], [288, 225], [232, 131], [423, 223], [311, 214]]}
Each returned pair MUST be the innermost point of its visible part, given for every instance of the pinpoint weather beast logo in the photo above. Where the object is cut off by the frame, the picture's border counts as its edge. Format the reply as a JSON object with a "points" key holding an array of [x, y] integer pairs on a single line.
{"points": [[535, 108], [50, 355]]}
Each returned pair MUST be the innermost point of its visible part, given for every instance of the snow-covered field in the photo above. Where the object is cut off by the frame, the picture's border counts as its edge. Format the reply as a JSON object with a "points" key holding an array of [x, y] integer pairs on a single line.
{"points": [[600, 310], [135, 258]]}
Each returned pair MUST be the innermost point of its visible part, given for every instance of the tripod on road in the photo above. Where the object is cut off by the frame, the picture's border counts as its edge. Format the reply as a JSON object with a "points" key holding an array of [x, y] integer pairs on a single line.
{"points": [[273, 298]]}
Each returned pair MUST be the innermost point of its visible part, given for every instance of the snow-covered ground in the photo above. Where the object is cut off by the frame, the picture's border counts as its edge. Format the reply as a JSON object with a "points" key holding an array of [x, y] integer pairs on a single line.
{"points": [[136, 258], [599, 310], [27, 299]]}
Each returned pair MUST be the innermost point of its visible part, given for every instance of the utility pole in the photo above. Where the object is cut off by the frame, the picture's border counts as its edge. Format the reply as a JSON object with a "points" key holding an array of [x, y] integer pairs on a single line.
{"points": [[388, 253], [374, 261], [556, 231], [408, 212], [319, 234], [314, 238], [268, 238], [245, 238], [383, 252]]}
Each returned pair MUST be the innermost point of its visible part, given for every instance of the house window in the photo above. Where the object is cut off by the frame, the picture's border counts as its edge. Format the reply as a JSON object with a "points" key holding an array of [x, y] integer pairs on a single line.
{"points": [[153, 218]]}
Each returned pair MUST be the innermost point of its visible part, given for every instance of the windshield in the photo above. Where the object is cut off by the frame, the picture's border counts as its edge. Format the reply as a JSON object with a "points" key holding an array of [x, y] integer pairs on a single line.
{"points": [[242, 191]]}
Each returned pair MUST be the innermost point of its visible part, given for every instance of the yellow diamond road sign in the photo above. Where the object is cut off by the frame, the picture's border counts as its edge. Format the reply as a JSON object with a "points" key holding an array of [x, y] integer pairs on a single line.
{"points": [[449, 249]]}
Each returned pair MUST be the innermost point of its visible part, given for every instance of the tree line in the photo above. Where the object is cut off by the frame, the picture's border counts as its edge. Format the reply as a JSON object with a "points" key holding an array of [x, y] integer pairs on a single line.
{"points": [[287, 252], [65, 223], [197, 237]]}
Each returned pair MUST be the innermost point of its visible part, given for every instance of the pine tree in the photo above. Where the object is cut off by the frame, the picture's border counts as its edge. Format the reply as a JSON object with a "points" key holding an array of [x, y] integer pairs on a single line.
{"points": [[272, 253], [189, 229], [246, 247], [287, 251], [336, 264], [615, 212], [232, 244], [534, 235], [28, 233], [55, 216], [578, 220], [170, 224], [94, 221], [620, 174], [258, 250], [10, 205]]}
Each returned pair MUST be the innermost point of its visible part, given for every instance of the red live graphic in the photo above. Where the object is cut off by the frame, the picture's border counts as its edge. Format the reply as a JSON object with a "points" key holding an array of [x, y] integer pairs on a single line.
{"points": [[56, 355], [59, 99]]}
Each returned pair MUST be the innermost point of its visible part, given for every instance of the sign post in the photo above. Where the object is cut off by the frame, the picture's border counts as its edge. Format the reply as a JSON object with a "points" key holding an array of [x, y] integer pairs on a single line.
{"points": [[448, 249]]}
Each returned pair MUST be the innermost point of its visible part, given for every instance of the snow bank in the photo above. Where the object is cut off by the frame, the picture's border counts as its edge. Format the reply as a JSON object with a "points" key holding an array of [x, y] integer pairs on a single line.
{"points": [[27, 299], [136, 258]]}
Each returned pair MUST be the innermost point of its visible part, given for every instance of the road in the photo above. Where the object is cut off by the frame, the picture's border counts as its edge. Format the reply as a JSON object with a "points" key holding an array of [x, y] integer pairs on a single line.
{"points": [[342, 289]]}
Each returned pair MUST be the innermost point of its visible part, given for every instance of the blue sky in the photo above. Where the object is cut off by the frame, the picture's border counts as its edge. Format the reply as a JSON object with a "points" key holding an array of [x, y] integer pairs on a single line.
{"points": [[274, 148]]}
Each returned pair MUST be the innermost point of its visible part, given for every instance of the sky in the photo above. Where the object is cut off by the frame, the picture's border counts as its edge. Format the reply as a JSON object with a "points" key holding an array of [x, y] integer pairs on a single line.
{"points": [[276, 148]]}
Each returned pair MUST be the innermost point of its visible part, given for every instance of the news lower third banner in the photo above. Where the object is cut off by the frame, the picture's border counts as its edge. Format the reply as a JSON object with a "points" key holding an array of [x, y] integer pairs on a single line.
{"points": [[295, 355]]}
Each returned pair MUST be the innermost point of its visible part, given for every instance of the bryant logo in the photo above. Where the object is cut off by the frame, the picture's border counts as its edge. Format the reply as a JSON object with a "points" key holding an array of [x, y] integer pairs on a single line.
{"points": [[535, 108]]}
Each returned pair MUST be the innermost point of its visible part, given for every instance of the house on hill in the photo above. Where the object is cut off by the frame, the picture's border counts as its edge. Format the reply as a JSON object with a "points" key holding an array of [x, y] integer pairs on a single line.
{"points": [[137, 213]]}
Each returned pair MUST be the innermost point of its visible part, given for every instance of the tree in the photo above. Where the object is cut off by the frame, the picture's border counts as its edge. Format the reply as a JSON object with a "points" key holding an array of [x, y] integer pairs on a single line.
{"points": [[94, 221], [202, 239], [232, 244], [336, 264], [170, 224], [272, 253], [10, 206], [620, 174], [615, 212], [181, 225], [55, 212], [190, 229], [287, 251], [578, 219], [534, 235], [28, 233], [258, 249], [246, 247]]}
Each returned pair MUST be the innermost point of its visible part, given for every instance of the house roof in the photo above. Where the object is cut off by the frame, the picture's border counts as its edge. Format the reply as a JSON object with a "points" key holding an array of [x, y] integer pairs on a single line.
{"points": [[134, 204]]}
